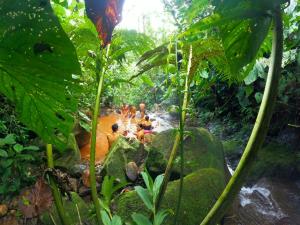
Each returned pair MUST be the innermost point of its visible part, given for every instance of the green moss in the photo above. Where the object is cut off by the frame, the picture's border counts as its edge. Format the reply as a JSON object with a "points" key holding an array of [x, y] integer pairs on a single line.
{"points": [[232, 148], [201, 189], [201, 150], [72, 207], [120, 154], [276, 160]]}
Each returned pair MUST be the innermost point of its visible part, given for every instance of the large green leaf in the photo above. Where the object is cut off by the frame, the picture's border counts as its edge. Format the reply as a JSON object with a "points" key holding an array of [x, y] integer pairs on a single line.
{"points": [[37, 63], [242, 40]]}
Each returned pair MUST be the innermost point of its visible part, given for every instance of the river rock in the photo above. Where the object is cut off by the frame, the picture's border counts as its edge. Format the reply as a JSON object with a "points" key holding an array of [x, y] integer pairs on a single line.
{"points": [[121, 153], [200, 191], [70, 156], [205, 174], [3, 210], [201, 150], [132, 171]]}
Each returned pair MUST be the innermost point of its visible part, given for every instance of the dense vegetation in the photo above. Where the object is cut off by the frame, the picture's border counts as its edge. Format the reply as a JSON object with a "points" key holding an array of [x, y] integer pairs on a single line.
{"points": [[225, 63]]}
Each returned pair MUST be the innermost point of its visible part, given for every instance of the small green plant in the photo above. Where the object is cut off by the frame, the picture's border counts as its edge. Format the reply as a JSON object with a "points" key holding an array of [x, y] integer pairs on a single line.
{"points": [[16, 165], [108, 188], [149, 197], [110, 220]]}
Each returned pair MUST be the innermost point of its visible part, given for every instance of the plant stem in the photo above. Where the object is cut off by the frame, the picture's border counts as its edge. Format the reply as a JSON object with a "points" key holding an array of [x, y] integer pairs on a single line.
{"points": [[176, 142], [93, 142], [181, 133], [259, 131], [55, 191]]}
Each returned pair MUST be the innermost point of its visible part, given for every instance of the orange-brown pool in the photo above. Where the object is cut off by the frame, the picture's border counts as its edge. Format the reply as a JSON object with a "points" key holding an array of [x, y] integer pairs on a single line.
{"points": [[104, 128]]}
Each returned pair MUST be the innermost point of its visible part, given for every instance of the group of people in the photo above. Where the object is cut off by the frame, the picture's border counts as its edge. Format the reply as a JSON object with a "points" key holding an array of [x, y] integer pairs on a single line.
{"points": [[143, 127], [129, 111]]}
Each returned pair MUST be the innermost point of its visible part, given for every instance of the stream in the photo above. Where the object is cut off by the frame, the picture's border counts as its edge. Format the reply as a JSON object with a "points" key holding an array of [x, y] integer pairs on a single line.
{"points": [[266, 202]]}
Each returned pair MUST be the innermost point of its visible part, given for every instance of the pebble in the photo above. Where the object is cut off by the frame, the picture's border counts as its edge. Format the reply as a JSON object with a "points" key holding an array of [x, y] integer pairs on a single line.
{"points": [[3, 210]]}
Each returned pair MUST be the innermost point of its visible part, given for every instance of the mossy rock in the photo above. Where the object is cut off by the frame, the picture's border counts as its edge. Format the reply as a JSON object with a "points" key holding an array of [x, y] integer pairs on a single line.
{"points": [[277, 160], [201, 150], [121, 153], [70, 156], [72, 207], [200, 191]]}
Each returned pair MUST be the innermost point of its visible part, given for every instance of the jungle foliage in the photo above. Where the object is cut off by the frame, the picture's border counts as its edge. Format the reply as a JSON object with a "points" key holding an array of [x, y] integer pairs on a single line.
{"points": [[214, 66]]}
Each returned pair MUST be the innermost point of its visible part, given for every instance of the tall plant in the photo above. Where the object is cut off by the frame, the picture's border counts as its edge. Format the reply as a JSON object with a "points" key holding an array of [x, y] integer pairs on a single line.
{"points": [[260, 128], [105, 15], [227, 36]]}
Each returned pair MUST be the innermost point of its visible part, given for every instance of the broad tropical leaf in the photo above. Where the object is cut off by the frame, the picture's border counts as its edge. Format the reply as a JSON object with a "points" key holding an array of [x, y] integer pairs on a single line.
{"points": [[37, 63], [105, 14], [140, 219], [145, 196]]}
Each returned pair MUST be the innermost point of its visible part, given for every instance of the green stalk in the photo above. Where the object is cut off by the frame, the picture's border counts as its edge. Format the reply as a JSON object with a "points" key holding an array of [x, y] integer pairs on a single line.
{"points": [[55, 191], [93, 143], [259, 131], [176, 142]]}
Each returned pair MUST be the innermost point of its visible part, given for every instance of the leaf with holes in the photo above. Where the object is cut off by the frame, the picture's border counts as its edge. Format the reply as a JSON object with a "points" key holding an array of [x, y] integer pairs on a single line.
{"points": [[37, 66]]}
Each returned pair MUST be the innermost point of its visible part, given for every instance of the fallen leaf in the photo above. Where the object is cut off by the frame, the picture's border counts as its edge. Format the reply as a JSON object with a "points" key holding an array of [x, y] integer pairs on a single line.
{"points": [[35, 200]]}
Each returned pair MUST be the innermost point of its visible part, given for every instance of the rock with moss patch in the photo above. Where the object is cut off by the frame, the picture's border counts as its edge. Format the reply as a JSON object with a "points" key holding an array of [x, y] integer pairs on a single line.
{"points": [[201, 150], [200, 190], [121, 153], [70, 156]]}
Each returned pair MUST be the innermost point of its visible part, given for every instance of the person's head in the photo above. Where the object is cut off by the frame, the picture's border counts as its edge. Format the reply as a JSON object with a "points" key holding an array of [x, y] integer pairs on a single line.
{"points": [[115, 127], [147, 118], [139, 127]]}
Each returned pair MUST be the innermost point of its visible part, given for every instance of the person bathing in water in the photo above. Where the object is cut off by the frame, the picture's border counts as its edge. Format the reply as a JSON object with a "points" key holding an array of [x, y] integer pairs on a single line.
{"points": [[132, 112], [142, 109], [125, 110], [114, 135], [147, 124], [140, 133]]}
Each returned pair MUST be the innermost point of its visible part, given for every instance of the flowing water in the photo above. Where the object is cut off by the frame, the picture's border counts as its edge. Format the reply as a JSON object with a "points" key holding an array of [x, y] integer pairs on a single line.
{"points": [[268, 202]]}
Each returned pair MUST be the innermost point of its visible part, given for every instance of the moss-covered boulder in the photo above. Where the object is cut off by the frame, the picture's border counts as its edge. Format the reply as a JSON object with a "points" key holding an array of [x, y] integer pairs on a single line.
{"points": [[69, 157], [201, 150], [276, 160], [121, 153], [200, 190]]}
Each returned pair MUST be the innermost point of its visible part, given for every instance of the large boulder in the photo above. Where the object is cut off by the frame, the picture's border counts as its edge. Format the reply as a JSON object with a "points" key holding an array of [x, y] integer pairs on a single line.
{"points": [[121, 153], [200, 190], [205, 174], [201, 150]]}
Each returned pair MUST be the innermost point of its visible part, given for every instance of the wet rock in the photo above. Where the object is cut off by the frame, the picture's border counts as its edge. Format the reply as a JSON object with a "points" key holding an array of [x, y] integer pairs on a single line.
{"points": [[86, 178], [70, 157], [3, 210], [132, 171], [78, 169], [12, 212], [82, 136], [122, 152]]}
